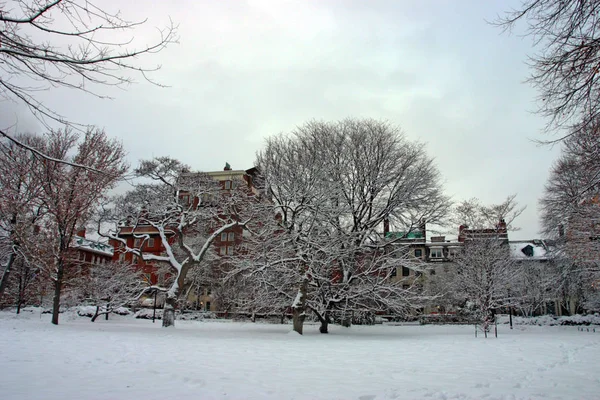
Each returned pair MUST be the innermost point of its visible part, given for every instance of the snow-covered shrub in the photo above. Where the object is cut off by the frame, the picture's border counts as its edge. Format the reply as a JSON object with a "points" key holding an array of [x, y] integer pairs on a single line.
{"points": [[549, 320], [196, 315], [146, 313]]}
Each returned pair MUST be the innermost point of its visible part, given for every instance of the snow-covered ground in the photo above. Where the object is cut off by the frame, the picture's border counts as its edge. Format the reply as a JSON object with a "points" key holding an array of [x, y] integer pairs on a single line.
{"points": [[124, 358]]}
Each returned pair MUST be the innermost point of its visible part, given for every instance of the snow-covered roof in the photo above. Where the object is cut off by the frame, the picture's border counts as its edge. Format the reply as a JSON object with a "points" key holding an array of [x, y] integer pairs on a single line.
{"points": [[528, 250], [92, 246]]}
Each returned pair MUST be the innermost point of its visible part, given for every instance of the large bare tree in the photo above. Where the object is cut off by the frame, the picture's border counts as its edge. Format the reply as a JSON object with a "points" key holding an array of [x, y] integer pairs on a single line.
{"points": [[333, 186], [567, 64]]}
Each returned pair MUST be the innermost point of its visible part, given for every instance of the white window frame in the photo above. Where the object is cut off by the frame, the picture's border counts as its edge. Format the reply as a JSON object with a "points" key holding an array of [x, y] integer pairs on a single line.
{"points": [[223, 250], [231, 237], [433, 252], [137, 242], [223, 236], [229, 250], [150, 242], [228, 185]]}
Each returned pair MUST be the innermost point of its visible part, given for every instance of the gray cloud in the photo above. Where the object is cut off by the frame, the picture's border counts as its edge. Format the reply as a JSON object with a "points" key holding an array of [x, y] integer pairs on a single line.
{"points": [[247, 70]]}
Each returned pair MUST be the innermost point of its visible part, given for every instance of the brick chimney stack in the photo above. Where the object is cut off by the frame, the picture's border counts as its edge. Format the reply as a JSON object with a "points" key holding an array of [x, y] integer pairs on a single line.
{"points": [[227, 167], [502, 226], [81, 232], [386, 227]]}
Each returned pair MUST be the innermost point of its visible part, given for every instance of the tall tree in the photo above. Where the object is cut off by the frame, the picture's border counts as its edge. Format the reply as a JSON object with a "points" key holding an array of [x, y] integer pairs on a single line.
{"points": [[69, 194], [20, 205], [570, 210], [334, 186]]}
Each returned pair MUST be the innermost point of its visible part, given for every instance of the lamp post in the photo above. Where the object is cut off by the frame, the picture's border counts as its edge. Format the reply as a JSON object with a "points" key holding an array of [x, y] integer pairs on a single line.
{"points": [[154, 306]]}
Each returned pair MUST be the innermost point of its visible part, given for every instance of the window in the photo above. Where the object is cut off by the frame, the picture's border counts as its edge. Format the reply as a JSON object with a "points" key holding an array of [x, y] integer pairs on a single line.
{"points": [[231, 236], [418, 253], [223, 250], [227, 185], [207, 306], [137, 242], [229, 250], [122, 257], [394, 272], [528, 250], [150, 243], [223, 236], [436, 253], [405, 271]]}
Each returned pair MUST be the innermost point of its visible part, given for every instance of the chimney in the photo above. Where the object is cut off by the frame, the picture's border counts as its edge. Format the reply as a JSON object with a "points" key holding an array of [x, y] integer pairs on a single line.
{"points": [[386, 227], [461, 235], [501, 226], [81, 232], [422, 227], [227, 167]]}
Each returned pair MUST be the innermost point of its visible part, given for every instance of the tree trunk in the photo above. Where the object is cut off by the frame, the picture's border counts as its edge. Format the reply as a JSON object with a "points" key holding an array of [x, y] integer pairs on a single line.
{"points": [[324, 328], [299, 307], [299, 316], [57, 290], [168, 318], [107, 312], [347, 320], [96, 314], [6, 274]]}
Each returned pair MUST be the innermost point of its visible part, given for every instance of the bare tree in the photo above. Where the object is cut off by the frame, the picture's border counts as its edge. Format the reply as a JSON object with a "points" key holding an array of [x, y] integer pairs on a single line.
{"points": [[69, 195], [565, 69], [333, 185], [73, 44], [570, 209], [20, 205], [485, 274], [475, 215], [186, 212]]}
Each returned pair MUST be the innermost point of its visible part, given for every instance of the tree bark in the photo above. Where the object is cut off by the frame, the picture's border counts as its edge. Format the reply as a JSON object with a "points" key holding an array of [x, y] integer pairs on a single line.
{"points": [[57, 290], [6, 274], [299, 308], [168, 318], [96, 314], [299, 316], [324, 328]]}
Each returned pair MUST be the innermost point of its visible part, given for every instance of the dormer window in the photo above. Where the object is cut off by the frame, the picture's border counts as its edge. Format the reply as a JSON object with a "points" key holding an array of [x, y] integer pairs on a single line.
{"points": [[227, 185], [528, 250]]}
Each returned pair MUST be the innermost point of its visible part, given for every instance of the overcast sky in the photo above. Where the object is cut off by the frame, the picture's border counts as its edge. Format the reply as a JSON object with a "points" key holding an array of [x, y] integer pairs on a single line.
{"points": [[245, 70]]}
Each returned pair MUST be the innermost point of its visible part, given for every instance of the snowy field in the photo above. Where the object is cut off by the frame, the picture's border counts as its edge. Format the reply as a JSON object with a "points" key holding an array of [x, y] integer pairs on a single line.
{"points": [[126, 358]]}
